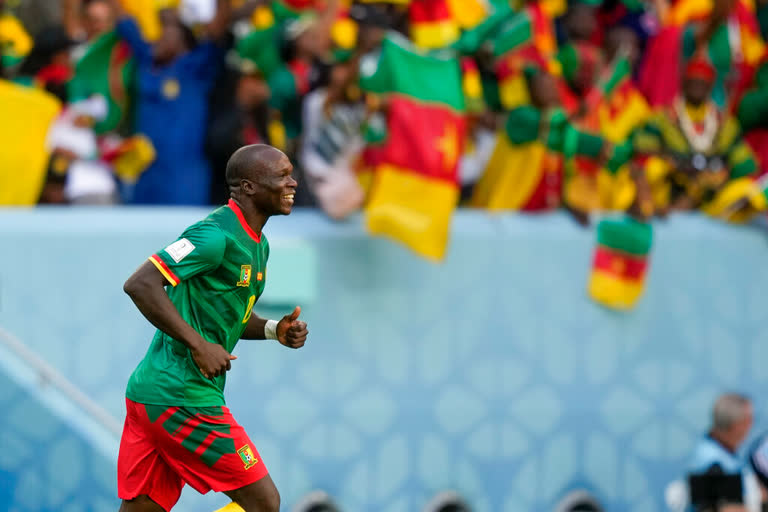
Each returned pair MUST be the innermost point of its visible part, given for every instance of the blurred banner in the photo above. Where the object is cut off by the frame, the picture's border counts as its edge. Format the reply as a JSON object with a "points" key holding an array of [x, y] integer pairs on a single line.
{"points": [[23, 153]]}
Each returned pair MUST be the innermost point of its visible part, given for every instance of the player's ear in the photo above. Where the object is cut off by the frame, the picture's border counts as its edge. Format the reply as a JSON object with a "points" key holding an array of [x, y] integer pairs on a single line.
{"points": [[247, 186]]}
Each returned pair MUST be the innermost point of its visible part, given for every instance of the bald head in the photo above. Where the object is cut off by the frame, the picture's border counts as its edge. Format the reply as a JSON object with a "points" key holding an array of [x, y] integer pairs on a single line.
{"points": [[260, 180], [252, 163]]}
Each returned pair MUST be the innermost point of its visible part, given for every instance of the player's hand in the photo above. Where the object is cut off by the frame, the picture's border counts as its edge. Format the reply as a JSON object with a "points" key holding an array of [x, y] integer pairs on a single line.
{"points": [[212, 359], [291, 331]]}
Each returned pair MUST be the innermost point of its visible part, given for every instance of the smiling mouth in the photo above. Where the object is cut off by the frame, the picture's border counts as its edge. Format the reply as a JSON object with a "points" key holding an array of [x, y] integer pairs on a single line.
{"points": [[289, 197]]}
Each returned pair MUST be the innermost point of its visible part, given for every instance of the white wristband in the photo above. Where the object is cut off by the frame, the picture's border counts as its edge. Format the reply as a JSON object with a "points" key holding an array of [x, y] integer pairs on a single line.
{"points": [[270, 330]]}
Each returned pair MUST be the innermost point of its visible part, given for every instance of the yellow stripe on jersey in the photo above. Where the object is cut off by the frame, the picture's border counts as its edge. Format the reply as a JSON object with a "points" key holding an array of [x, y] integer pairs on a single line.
{"points": [[163, 268]]}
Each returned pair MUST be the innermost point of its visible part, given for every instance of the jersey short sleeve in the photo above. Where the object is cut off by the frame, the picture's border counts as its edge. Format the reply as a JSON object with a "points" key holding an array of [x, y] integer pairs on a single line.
{"points": [[198, 250]]}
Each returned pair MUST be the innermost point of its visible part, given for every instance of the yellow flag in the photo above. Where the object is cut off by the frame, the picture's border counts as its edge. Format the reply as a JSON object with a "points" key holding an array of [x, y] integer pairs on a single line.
{"points": [[15, 43], [145, 13], [469, 13], [23, 153], [511, 175]]}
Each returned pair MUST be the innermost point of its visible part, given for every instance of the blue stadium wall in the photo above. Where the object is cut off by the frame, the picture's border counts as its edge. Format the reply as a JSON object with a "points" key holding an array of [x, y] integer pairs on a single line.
{"points": [[491, 373]]}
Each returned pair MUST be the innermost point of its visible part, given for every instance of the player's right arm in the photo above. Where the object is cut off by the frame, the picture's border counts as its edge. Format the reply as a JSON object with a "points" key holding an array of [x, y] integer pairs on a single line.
{"points": [[146, 287], [200, 250]]}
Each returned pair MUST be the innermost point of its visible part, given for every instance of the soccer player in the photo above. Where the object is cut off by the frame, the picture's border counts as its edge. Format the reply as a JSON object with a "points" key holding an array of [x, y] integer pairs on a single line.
{"points": [[177, 428]]}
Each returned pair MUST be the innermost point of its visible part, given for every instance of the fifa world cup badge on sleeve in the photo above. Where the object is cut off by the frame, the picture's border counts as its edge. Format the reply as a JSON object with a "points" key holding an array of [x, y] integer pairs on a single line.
{"points": [[180, 249], [245, 276], [246, 455]]}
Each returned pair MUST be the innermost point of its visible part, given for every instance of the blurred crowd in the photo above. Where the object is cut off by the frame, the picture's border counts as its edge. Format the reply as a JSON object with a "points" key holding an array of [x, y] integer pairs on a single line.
{"points": [[642, 106]]}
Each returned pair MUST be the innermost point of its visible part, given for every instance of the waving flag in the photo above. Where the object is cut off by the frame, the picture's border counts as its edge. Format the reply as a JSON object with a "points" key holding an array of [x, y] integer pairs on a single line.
{"points": [[620, 262], [23, 154], [432, 24], [415, 183], [106, 69]]}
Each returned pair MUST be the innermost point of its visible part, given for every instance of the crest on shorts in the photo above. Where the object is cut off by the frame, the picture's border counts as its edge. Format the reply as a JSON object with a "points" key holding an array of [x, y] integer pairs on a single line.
{"points": [[245, 276], [246, 455]]}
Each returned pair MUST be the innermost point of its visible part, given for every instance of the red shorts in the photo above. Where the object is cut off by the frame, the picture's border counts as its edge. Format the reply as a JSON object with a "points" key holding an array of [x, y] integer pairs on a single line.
{"points": [[163, 448]]}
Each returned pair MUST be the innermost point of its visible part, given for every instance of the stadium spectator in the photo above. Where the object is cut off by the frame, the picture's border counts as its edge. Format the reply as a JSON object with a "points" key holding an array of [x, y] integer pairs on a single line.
{"points": [[15, 42], [758, 461], [48, 65], [753, 114], [333, 120], [37, 14], [87, 19], [297, 46], [733, 61], [526, 170], [580, 21], [175, 77], [75, 163], [614, 108], [697, 147], [239, 116], [481, 142], [718, 451]]}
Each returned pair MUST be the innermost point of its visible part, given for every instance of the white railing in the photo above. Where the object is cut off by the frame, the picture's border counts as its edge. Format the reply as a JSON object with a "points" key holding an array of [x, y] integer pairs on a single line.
{"points": [[50, 376]]}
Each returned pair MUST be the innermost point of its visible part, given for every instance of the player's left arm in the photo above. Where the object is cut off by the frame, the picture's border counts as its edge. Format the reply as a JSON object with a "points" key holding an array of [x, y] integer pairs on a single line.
{"points": [[290, 331]]}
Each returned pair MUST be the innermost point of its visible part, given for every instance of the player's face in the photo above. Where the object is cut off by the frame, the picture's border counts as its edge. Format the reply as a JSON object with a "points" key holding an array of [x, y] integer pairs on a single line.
{"points": [[281, 187]]}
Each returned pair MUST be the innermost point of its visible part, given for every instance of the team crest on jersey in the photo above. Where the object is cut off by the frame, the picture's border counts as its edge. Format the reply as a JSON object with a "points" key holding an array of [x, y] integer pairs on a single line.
{"points": [[245, 276], [246, 455]]}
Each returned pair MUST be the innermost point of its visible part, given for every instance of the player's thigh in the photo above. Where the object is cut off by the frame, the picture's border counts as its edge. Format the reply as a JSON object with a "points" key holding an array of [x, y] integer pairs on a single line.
{"points": [[260, 496]]}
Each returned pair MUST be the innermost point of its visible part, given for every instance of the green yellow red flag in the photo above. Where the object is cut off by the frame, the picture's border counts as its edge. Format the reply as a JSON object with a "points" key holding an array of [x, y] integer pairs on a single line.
{"points": [[415, 182], [620, 262], [469, 13], [432, 24]]}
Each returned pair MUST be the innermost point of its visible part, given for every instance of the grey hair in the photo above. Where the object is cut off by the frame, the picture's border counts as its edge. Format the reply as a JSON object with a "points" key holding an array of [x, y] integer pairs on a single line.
{"points": [[729, 409]]}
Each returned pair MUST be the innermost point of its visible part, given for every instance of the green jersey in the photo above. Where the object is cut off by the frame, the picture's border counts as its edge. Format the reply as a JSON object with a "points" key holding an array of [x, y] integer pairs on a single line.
{"points": [[217, 270]]}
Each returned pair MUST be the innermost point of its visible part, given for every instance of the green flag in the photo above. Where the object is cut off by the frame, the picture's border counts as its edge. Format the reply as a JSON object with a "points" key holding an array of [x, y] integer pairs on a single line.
{"points": [[107, 68]]}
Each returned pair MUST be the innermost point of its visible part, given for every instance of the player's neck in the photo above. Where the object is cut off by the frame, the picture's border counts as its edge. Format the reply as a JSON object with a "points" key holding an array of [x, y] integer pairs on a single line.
{"points": [[254, 218]]}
